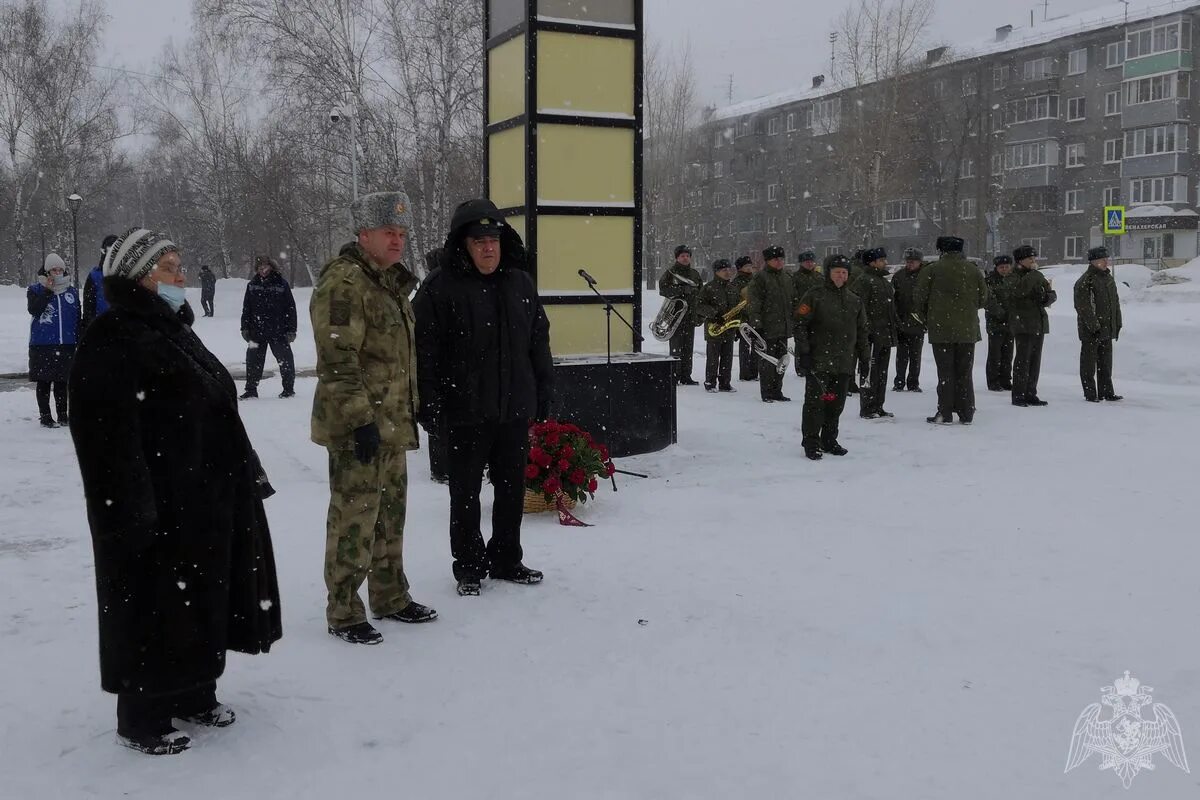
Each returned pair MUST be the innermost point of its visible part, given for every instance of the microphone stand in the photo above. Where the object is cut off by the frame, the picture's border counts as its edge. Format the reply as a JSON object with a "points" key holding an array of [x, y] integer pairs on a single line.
{"points": [[609, 310]]}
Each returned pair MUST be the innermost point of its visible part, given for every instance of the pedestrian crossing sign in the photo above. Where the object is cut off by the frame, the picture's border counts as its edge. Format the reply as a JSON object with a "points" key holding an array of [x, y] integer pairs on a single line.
{"points": [[1114, 220]]}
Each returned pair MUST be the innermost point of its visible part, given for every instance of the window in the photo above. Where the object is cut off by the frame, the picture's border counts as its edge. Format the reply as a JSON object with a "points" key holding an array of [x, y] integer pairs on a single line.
{"points": [[1073, 247], [1114, 55], [1077, 62], [1112, 103], [997, 116], [1030, 154], [997, 163], [833, 250], [970, 84], [808, 117], [1036, 244], [791, 224], [755, 196], [718, 199], [718, 138], [1160, 37], [973, 126], [1112, 195], [1076, 109], [1027, 109], [1038, 68], [718, 169], [744, 128], [938, 87], [1072, 202], [1158, 87], [773, 192], [1159, 139], [1112, 151], [773, 126], [1152, 190], [966, 208], [899, 210], [999, 77], [966, 168], [772, 225], [791, 121], [827, 116], [1075, 155]]}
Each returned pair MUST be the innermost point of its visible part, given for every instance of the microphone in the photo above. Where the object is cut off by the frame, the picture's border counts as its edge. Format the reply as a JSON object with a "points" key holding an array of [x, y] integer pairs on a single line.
{"points": [[583, 274]]}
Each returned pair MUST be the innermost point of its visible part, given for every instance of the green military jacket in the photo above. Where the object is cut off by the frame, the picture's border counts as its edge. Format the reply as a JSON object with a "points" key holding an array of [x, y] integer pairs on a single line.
{"points": [[366, 353], [904, 284], [1097, 305], [716, 298], [806, 280], [831, 327], [670, 285], [741, 282], [1029, 298], [949, 294], [772, 297], [995, 315], [879, 302]]}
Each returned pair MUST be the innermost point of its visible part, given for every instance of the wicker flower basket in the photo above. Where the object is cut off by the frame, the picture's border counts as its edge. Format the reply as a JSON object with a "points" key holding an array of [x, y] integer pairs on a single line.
{"points": [[536, 503]]}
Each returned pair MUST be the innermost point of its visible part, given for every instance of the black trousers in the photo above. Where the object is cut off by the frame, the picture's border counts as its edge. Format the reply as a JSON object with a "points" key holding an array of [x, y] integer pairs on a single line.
{"points": [[956, 388], [770, 380], [503, 447], [206, 301], [439, 457], [718, 368], [1000, 360], [60, 398], [140, 714], [1095, 362], [908, 359], [819, 424], [682, 344], [256, 357], [747, 361], [1027, 364], [871, 398]]}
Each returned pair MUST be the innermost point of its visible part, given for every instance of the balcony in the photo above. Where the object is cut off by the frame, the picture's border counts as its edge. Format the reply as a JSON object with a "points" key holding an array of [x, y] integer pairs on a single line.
{"points": [[1159, 62]]}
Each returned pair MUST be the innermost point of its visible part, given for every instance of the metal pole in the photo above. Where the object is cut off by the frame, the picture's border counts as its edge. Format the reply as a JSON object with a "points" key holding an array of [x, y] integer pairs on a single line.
{"points": [[354, 154], [75, 245], [43, 227]]}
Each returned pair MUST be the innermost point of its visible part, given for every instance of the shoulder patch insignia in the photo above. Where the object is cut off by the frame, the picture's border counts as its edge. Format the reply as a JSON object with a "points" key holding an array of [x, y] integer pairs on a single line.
{"points": [[339, 311], [804, 308]]}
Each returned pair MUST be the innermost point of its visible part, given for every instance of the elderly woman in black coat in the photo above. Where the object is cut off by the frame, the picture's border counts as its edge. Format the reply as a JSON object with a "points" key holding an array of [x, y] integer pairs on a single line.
{"points": [[184, 566]]}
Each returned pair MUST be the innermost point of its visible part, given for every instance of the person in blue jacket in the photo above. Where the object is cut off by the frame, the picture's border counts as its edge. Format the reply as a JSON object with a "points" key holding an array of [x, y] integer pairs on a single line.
{"points": [[53, 332], [94, 301], [268, 320]]}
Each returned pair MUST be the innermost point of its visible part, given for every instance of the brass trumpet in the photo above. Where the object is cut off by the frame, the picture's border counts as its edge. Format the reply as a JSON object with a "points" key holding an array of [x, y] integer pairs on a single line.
{"points": [[729, 321]]}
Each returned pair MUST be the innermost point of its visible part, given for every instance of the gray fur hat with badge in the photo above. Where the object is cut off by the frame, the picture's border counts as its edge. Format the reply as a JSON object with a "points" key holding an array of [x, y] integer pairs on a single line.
{"points": [[381, 209]]}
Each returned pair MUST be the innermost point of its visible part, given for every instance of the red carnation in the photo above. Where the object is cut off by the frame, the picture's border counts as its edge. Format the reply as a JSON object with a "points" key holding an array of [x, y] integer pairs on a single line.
{"points": [[531, 471], [609, 470], [577, 476], [552, 438], [592, 485], [829, 397], [552, 485], [539, 456], [567, 451], [603, 452], [563, 465]]}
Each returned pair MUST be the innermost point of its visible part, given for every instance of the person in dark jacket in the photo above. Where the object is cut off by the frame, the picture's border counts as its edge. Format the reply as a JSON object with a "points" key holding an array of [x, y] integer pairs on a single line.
{"points": [[184, 566], [716, 298], [439, 454], [208, 290], [94, 302], [268, 320], [875, 290], [910, 335], [949, 294], [682, 281], [771, 312], [1000, 339], [1098, 308], [484, 372], [53, 304], [831, 334], [747, 358], [1029, 298]]}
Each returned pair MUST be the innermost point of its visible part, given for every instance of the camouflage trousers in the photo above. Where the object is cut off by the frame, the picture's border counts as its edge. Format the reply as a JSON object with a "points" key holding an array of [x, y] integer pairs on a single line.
{"points": [[364, 537]]}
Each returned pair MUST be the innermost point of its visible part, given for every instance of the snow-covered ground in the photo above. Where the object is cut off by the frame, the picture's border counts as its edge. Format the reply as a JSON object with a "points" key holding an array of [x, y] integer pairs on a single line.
{"points": [[924, 618]]}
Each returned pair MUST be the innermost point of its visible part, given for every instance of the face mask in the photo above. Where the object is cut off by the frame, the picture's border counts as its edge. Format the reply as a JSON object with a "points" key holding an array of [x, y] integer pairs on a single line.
{"points": [[175, 296]]}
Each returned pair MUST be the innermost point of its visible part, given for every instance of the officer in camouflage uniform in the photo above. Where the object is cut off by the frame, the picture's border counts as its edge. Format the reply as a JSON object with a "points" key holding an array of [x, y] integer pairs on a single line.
{"points": [[717, 298], [831, 331], [910, 335], [1099, 311], [772, 296], [875, 290], [747, 357], [1000, 339], [1030, 296], [364, 413], [684, 282]]}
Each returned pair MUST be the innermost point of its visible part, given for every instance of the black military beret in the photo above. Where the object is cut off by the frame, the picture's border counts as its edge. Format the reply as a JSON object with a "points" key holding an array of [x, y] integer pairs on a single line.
{"points": [[949, 244], [743, 261], [1097, 253], [999, 260], [774, 251], [1023, 252]]}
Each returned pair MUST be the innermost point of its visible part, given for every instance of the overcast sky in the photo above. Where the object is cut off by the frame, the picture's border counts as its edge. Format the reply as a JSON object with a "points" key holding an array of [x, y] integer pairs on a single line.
{"points": [[767, 45]]}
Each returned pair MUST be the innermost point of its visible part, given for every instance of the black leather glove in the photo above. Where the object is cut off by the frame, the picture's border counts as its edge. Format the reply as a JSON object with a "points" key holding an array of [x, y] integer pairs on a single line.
{"points": [[366, 442], [804, 364], [246, 334], [291, 337]]}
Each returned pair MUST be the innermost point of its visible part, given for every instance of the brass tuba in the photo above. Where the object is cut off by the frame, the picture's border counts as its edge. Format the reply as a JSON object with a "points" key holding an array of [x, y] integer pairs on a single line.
{"points": [[672, 313]]}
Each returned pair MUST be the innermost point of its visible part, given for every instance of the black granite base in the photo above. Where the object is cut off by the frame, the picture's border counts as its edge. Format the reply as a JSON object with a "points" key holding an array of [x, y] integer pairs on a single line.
{"points": [[643, 400]]}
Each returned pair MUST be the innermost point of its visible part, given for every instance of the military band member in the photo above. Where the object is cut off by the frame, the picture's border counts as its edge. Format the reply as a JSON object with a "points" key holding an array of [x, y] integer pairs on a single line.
{"points": [[747, 358], [910, 336], [1000, 339], [716, 299], [875, 290], [1031, 295], [684, 282], [1099, 310], [772, 297]]}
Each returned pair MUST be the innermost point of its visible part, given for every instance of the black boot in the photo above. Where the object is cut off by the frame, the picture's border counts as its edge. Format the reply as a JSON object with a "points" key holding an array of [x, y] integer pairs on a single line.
{"points": [[812, 452], [47, 421], [164, 744], [362, 633], [517, 573], [834, 449], [249, 394], [1112, 398], [219, 716], [468, 587], [412, 613]]}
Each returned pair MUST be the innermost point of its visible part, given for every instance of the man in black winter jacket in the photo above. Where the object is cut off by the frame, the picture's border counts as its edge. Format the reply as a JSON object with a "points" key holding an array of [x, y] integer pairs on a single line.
{"points": [[484, 373], [268, 320]]}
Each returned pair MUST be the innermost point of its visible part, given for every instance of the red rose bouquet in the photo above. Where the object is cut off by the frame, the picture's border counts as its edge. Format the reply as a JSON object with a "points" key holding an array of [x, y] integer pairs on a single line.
{"points": [[563, 459]]}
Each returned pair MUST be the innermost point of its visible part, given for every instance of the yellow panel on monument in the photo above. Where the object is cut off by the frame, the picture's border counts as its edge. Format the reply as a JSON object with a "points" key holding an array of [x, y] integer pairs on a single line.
{"points": [[580, 165], [506, 88], [583, 74], [601, 245], [572, 329], [506, 168]]}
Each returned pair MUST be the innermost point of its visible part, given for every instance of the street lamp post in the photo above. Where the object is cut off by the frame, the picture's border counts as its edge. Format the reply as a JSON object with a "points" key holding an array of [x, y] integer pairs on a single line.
{"points": [[336, 114], [74, 201], [43, 229]]}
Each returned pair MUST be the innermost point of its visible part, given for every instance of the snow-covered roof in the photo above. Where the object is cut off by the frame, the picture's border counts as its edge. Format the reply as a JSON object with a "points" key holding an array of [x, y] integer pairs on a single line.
{"points": [[1094, 19]]}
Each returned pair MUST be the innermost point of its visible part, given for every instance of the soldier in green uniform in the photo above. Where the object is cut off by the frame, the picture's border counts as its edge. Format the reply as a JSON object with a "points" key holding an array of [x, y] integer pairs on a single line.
{"points": [[1030, 296], [772, 297], [807, 276], [949, 294], [1099, 310], [747, 358], [856, 268], [875, 290], [364, 413], [683, 281], [831, 330], [717, 298], [1000, 339], [910, 336]]}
